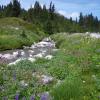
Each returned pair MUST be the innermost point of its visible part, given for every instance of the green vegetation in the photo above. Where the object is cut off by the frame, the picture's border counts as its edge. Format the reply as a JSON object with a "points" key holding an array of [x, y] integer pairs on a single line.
{"points": [[86, 52], [14, 33], [38, 22], [75, 66], [49, 20], [70, 89]]}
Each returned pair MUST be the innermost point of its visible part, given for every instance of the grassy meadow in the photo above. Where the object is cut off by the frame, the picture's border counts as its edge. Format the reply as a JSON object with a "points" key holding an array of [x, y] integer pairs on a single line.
{"points": [[16, 33], [75, 69]]}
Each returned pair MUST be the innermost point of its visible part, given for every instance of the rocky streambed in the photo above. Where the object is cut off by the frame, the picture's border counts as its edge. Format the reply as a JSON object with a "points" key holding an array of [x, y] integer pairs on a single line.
{"points": [[43, 49]]}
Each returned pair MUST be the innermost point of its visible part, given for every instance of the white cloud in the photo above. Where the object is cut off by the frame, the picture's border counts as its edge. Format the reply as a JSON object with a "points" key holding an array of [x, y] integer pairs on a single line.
{"points": [[74, 15]]}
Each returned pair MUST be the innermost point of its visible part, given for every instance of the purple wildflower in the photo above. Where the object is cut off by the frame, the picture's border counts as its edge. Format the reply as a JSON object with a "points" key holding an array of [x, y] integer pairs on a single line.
{"points": [[32, 98], [44, 96], [16, 97]]}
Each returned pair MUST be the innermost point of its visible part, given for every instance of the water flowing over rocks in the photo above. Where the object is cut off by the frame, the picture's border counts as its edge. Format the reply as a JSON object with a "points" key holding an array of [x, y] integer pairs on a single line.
{"points": [[95, 35], [43, 49]]}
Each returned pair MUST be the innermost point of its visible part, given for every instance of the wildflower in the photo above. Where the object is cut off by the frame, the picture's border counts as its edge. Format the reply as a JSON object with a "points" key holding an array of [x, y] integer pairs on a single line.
{"points": [[23, 84], [16, 97], [32, 98], [84, 81], [44, 96]]}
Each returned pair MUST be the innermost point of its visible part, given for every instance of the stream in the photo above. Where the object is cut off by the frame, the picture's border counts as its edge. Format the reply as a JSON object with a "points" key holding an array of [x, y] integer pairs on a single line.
{"points": [[43, 49]]}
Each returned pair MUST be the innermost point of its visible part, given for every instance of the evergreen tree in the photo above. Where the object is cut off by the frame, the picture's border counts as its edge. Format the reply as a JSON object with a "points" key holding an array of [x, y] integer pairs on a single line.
{"points": [[71, 20], [52, 10], [49, 28], [49, 20], [44, 14], [0, 8], [8, 10], [37, 9], [24, 14], [44, 8], [30, 14], [81, 19], [50, 7], [76, 20], [0, 11], [16, 8]]}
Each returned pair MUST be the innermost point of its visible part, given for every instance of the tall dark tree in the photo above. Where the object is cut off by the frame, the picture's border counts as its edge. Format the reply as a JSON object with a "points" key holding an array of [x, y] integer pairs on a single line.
{"points": [[16, 8], [9, 10], [37, 9], [0, 8], [50, 7], [81, 19], [49, 27], [52, 10], [71, 20], [76, 20], [30, 14], [44, 14], [23, 14], [0, 11], [44, 8]]}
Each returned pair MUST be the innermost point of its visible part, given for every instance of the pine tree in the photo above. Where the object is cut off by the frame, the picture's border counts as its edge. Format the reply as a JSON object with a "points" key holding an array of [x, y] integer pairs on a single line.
{"points": [[50, 7], [37, 9], [96, 24], [23, 14], [76, 20], [44, 14], [8, 10], [0, 8], [81, 20], [52, 11], [71, 20], [0, 11], [49, 28], [16, 8], [44, 8], [30, 14]]}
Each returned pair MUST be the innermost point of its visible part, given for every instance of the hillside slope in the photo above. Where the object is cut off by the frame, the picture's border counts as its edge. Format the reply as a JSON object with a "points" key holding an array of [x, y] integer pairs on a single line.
{"points": [[14, 33], [73, 73]]}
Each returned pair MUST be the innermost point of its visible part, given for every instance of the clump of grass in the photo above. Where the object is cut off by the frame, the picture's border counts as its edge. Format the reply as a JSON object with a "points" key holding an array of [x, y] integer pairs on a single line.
{"points": [[70, 89]]}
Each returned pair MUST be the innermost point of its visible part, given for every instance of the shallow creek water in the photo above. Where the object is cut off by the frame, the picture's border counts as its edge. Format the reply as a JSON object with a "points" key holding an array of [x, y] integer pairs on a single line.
{"points": [[37, 50]]}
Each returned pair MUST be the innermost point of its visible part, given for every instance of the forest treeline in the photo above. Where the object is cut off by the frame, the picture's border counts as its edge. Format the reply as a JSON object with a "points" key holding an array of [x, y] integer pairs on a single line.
{"points": [[49, 20]]}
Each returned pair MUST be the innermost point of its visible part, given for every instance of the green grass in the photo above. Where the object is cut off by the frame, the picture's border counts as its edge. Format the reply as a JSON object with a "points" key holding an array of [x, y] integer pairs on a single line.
{"points": [[76, 65], [18, 31], [70, 89], [86, 52]]}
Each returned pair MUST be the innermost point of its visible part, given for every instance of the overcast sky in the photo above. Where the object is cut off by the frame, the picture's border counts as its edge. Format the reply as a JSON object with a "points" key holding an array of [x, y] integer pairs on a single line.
{"points": [[69, 8]]}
